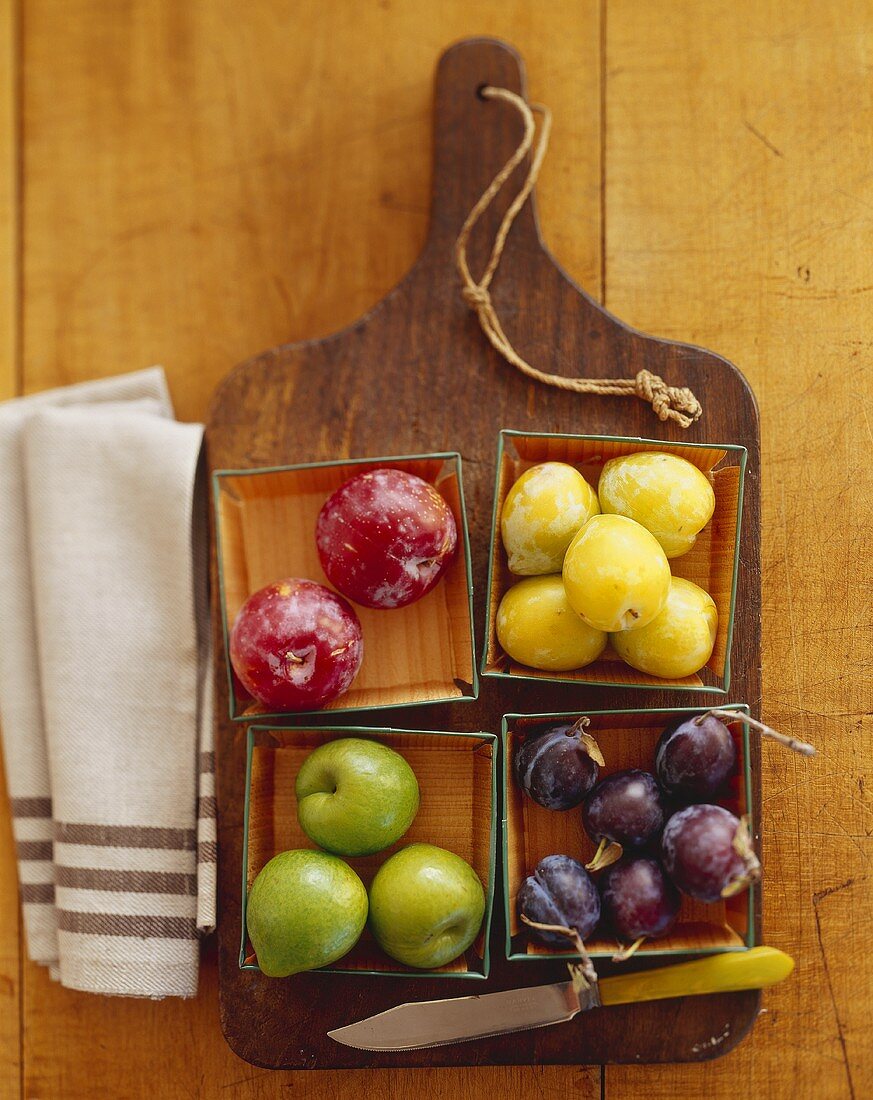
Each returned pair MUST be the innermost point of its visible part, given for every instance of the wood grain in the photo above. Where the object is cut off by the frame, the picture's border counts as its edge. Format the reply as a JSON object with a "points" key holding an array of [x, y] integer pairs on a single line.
{"points": [[738, 151], [183, 162], [150, 175], [9, 200], [190, 200], [10, 933]]}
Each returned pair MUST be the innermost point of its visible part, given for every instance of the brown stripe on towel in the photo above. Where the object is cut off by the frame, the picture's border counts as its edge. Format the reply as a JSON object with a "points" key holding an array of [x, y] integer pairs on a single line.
{"points": [[130, 882], [117, 924], [207, 761], [206, 805], [31, 807], [43, 892], [207, 851], [34, 849], [124, 836]]}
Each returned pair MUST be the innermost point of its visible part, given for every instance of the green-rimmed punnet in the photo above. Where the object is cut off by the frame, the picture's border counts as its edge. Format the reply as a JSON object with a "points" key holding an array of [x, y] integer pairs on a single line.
{"points": [[624, 720], [274, 737], [594, 676], [460, 690]]}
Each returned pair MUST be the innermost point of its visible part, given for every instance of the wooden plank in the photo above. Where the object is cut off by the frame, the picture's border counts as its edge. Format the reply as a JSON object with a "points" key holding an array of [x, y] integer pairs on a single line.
{"points": [[201, 185], [739, 192], [9, 199], [10, 948], [10, 930], [127, 1049], [210, 188]]}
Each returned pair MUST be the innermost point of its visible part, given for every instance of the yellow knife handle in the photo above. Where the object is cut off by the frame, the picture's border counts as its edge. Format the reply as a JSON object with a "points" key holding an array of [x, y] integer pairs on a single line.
{"points": [[724, 973]]}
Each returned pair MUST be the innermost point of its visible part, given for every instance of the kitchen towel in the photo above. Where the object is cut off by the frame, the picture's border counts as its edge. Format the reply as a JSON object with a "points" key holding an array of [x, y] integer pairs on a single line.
{"points": [[103, 682]]}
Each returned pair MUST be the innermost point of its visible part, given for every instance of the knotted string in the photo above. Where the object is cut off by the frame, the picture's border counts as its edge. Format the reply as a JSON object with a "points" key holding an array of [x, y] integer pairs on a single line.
{"points": [[675, 403]]}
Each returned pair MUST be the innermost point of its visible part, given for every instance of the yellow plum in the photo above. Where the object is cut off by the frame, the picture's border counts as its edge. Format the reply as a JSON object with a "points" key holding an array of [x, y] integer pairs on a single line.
{"points": [[665, 493], [615, 574], [678, 641], [537, 627], [542, 512]]}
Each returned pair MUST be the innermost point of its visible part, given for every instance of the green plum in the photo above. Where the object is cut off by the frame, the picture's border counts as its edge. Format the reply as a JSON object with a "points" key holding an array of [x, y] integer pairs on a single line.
{"points": [[355, 797], [305, 909], [426, 906]]}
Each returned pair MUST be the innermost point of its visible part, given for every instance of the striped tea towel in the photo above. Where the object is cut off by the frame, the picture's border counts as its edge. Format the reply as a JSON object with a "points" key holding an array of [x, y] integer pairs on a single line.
{"points": [[101, 686]]}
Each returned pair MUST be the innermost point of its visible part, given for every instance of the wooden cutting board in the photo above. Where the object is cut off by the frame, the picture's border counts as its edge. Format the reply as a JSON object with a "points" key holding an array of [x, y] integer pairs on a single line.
{"points": [[416, 375]]}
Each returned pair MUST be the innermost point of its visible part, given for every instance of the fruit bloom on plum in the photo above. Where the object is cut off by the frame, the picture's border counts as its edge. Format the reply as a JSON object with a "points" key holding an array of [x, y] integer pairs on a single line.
{"points": [[665, 493], [295, 645], [695, 757], [625, 810], [542, 512], [558, 767], [385, 538], [708, 852], [639, 900], [560, 892]]}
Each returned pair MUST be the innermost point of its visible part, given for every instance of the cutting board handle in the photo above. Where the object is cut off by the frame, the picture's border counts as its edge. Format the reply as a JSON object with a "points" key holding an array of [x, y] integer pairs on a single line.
{"points": [[464, 121]]}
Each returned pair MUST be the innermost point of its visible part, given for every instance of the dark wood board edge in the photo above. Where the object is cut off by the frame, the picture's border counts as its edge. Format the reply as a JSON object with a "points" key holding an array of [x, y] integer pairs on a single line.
{"points": [[411, 349]]}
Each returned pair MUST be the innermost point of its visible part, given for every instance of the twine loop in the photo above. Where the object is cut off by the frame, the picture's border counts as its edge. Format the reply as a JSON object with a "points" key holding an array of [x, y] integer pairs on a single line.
{"points": [[676, 403]]}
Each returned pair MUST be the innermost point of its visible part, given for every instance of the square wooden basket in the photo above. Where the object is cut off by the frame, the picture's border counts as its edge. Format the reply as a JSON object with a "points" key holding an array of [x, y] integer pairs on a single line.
{"points": [[265, 531], [712, 563], [627, 739], [457, 778]]}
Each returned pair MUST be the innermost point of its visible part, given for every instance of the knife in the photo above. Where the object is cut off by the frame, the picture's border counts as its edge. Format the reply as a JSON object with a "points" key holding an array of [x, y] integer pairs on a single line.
{"points": [[458, 1019]]}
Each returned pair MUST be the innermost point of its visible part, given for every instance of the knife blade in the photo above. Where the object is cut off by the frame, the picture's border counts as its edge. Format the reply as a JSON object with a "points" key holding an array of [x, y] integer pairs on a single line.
{"points": [[459, 1019]]}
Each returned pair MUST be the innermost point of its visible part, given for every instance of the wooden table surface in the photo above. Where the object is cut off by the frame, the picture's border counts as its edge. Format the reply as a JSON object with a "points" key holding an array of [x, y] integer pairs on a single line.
{"points": [[188, 183]]}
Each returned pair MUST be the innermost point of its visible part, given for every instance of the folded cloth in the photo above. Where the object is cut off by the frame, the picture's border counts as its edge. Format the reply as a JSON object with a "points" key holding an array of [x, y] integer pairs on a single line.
{"points": [[101, 687], [21, 716]]}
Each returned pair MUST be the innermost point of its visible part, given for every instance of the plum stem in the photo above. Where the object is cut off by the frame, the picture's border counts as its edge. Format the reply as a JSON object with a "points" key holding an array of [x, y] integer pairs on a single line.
{"points": [[608, 851], [591, 747], [803, 747], [742, 845], [293, 659], [625, 953], [583, 971]]}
